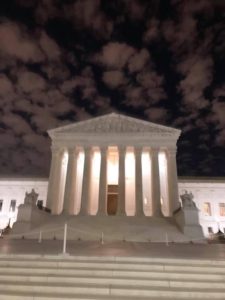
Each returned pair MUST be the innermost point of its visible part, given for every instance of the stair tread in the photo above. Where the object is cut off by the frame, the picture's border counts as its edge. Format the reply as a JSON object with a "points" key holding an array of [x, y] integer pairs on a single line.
{"points": [[188, 270], [83, 296], [111, 277], [33, 278], [105, 285], [114, 259]]}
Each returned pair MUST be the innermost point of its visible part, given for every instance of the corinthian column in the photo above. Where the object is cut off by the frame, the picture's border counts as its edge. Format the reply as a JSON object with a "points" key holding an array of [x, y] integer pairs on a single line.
{"points": [[70, 188], [51, 177], [174, 203], [102, 199], [56, 184], [155, 183], [86, 185], [138, 182], [121, 209]]}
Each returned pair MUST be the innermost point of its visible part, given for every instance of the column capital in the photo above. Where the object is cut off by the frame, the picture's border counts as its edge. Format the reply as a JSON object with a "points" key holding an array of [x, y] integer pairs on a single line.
{"points": [[57, 151], [103, 149], [72, 151], [88, 150], [122, 150], [154, 151], [171, 151], [138, 150]]}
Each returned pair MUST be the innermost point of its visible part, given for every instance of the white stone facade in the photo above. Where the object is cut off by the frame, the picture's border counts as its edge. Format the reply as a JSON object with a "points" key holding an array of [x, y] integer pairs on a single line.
{"points": [[12, 194], [210, 191], [209, 197], [113, 164]]}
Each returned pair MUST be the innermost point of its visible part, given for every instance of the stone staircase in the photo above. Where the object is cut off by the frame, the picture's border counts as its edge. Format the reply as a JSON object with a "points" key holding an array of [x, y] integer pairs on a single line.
{"points": [[34, 277]]}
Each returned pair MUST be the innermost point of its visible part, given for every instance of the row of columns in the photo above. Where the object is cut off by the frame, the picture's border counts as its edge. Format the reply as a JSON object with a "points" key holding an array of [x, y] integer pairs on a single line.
{"points": [[55, 188]]}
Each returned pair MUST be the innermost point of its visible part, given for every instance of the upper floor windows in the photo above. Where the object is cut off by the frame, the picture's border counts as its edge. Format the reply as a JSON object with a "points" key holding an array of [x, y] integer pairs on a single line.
{"points": [[207, 209], [12, 207], [222, 209]]}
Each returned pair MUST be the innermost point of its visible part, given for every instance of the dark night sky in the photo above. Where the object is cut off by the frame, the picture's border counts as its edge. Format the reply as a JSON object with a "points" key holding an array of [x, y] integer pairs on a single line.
{"points": [[66, 61]]}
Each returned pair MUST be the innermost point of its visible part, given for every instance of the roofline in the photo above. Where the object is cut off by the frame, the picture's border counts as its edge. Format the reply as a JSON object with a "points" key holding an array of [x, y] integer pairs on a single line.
{"points": [[7, 178], [200, 179], [57, 129], [180, 179]]}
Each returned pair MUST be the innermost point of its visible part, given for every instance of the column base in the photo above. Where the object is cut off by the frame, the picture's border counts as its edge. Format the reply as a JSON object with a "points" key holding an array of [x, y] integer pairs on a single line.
{"points": [[121, 214], [158, 214], [83, 213], [101, 214], [139, 213]]}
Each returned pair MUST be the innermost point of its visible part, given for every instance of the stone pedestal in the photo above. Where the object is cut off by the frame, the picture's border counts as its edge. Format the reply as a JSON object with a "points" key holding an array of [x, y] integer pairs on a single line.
{"points": [[25, 212], [24, 218], [188, 222], [29, 219]]}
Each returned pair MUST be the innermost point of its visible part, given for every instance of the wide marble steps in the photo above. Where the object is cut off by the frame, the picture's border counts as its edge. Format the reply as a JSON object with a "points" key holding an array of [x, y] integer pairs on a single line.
{"points": [[34, 277]]}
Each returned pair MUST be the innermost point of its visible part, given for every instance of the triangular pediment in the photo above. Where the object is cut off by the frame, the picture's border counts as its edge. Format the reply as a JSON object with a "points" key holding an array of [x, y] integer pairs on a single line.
{"points": [[114, 123]]}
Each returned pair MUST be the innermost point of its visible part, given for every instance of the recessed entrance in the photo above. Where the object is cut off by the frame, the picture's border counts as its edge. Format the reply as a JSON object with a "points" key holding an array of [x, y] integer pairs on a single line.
{"points": [[112, 199]]}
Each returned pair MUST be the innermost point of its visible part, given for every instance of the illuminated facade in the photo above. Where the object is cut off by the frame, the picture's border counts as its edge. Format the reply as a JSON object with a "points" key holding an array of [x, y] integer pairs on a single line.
{"points": [[113, 165], [208, 196]]}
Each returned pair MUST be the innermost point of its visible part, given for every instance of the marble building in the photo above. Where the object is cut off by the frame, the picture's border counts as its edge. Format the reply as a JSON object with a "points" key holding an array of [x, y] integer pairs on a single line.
{"points": [[118, 166], [111, 165]]}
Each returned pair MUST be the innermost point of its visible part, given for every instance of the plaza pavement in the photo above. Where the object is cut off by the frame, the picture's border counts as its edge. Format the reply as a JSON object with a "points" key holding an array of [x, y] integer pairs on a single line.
{"points": [[130, 249]]}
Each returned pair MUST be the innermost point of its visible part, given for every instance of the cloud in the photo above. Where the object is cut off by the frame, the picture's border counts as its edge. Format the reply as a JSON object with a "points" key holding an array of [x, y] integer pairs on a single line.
{"points": [[153, 31], [219, 92], [8, 140], [156, 114], [148, 79], [198, 72], [134, 97], [217, 117], [6, 86], [36, 141], [44, 120], [56, 71], [16, 43], [70, 60], [194, 7], [115, 55], [30, 82], [87, 14], [49, 47], [135, 9], [114, 79], [181, 36], [23, 104], [153, 85], [138, 61], [46, 10], [16, 123]]}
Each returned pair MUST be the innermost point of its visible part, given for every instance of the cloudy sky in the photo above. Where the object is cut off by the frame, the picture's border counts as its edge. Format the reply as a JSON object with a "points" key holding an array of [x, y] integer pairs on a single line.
{"points": [[66, 61]]}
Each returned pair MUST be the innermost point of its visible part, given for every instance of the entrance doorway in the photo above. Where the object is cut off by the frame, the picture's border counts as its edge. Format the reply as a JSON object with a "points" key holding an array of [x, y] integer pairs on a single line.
{"points": [[112, 199]]}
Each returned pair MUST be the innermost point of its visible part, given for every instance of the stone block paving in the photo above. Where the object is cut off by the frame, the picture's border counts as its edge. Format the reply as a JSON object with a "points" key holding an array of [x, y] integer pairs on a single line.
{"points": [[129, 249]]}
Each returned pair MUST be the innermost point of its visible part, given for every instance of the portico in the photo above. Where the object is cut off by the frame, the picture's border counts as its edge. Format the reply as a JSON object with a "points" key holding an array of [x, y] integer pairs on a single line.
{"points": [[113, 165]]}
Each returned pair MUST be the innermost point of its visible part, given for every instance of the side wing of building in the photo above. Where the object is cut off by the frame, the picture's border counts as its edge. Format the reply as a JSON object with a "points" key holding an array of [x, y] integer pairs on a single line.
{"points": [[209, 197], [12, 194]]}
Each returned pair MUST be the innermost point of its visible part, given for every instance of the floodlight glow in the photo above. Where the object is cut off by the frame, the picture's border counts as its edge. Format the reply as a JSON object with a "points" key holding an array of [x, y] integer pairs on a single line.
{"points": [[162, 162], [113, 167], [130, 165], [96, 164], [80, 161]]}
